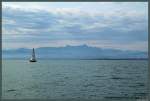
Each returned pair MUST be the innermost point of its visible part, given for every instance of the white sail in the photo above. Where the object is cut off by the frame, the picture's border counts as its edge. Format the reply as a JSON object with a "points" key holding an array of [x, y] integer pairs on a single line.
{"points": [[33, 59]]}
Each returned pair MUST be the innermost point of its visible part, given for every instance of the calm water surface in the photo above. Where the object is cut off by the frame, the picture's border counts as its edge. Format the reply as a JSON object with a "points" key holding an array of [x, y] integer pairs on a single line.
{"points": [[85, 79]]}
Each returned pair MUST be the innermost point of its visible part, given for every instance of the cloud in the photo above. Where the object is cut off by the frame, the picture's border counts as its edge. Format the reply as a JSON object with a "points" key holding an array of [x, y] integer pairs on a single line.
{"points": [[124, 27]]}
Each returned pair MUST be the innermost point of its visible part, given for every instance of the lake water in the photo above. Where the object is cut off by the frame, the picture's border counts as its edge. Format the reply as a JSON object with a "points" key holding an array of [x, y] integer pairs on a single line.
{"points": [[81, 79]]}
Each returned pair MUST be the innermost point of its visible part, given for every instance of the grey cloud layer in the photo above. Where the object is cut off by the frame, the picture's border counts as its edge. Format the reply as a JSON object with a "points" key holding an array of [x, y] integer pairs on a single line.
{"points": [[44, 26]]}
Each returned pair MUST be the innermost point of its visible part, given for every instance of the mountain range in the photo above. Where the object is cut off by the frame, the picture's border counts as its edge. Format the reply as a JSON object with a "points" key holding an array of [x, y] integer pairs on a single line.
{"points": [[73, 52]]}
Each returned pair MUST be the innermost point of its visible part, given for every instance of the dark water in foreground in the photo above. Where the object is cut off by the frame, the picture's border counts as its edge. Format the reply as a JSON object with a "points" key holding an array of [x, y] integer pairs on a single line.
{"points": [[65, 79]]}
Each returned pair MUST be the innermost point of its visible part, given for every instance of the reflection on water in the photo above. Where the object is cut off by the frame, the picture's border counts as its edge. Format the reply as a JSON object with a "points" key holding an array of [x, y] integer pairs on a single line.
{"points": [[94, 79]]}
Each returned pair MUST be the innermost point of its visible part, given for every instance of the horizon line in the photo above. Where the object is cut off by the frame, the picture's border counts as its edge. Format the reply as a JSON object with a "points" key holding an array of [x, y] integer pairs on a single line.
{"points": [[79, 58], [4, 49]]}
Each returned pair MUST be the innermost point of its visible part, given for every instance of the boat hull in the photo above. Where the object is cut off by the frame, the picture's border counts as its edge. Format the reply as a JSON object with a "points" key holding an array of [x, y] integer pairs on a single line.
{"points": [[32, 61]]}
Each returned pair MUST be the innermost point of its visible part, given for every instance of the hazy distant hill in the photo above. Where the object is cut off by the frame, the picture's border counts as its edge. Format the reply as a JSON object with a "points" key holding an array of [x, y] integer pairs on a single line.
{"points": [[73, 52]]}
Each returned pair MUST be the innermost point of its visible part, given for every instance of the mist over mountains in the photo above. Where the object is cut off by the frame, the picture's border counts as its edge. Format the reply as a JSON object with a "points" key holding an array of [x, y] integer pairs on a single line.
{"points": [[73, 52]]}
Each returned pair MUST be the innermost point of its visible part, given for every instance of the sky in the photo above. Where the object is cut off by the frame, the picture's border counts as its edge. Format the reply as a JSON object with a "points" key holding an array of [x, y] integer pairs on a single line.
{"points": [[116, 25]]}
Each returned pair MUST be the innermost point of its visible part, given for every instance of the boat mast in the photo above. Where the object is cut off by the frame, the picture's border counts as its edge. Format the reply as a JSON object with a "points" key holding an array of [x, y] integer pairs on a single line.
{"points": [[33, 54]]}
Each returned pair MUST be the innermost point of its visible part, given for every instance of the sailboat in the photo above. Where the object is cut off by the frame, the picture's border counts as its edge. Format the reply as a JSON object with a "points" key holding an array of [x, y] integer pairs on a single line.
{"points": [[33, 59]]}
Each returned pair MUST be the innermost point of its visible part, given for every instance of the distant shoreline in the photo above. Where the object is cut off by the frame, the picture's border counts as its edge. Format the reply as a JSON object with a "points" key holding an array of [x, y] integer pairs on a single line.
{"points": [[76, 59]]}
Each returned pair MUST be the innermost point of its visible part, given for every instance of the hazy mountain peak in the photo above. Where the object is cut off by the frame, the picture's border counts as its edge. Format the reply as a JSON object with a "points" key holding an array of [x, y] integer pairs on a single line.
{"points": [[74, 52]]}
